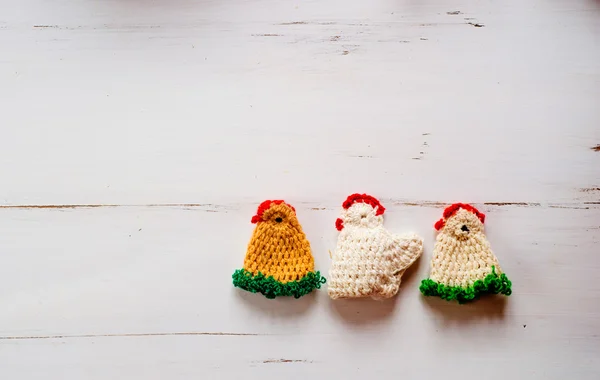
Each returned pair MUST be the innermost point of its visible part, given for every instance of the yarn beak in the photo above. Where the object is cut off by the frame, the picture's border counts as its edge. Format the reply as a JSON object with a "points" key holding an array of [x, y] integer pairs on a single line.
{"points": [[339, 224]]}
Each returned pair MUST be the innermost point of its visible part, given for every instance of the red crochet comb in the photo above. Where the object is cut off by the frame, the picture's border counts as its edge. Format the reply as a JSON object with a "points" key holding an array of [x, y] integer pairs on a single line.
{"points": [[265, 206], [453, 209], [359, 198], [364, 198]]}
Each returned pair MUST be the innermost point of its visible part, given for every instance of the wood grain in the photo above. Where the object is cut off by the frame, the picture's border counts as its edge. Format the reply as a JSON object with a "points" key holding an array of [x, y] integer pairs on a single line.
{"points": [[139, 136]]}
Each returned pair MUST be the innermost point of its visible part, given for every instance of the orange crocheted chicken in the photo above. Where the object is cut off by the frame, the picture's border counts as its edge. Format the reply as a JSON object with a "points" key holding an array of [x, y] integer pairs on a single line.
{"points": [[278, 261]]}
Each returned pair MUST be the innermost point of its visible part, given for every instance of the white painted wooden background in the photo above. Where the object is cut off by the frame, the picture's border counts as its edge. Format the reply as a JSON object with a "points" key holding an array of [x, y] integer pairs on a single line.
{"points": [[137, 138]]}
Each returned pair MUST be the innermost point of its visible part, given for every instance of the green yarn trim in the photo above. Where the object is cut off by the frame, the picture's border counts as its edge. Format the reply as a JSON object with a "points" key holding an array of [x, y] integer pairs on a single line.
{"points": [[491, 284], [272, 288]]}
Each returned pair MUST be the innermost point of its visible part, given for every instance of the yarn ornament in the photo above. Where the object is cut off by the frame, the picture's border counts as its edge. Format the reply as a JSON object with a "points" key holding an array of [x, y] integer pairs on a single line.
{"points": [[278, 260], [368, 260], [463, 266]]}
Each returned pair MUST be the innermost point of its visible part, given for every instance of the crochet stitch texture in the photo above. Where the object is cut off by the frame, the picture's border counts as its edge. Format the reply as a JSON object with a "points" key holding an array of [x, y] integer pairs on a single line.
{"points": [[463, 266], [369, 261], [278, 259]]}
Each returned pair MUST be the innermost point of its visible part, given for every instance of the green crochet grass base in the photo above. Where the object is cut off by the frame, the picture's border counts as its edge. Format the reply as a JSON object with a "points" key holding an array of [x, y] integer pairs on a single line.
{"points": [[272, 288], [491, 284]]}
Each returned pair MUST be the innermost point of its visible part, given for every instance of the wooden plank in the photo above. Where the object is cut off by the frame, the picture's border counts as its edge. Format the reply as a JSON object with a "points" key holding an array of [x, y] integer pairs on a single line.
{"points": [[188, 104], [149, 270], [298, 357]]}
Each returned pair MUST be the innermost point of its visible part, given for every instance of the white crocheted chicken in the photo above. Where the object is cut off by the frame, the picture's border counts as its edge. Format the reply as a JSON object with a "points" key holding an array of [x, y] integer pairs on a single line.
{"points": [[369, 261]]}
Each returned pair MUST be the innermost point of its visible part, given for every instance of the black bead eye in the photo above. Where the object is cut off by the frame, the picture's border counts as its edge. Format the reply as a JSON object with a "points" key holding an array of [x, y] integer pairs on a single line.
{"points": [[278, 220]]}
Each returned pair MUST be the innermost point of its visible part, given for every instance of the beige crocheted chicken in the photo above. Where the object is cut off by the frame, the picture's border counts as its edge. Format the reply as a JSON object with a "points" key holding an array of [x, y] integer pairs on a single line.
{"points": [[463, 266], [369, 261]]}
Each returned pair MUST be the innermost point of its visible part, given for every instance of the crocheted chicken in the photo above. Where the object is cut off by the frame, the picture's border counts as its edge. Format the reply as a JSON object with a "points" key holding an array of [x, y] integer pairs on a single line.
{"points": [[369, 261], [463, 266], [278, 260]]}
